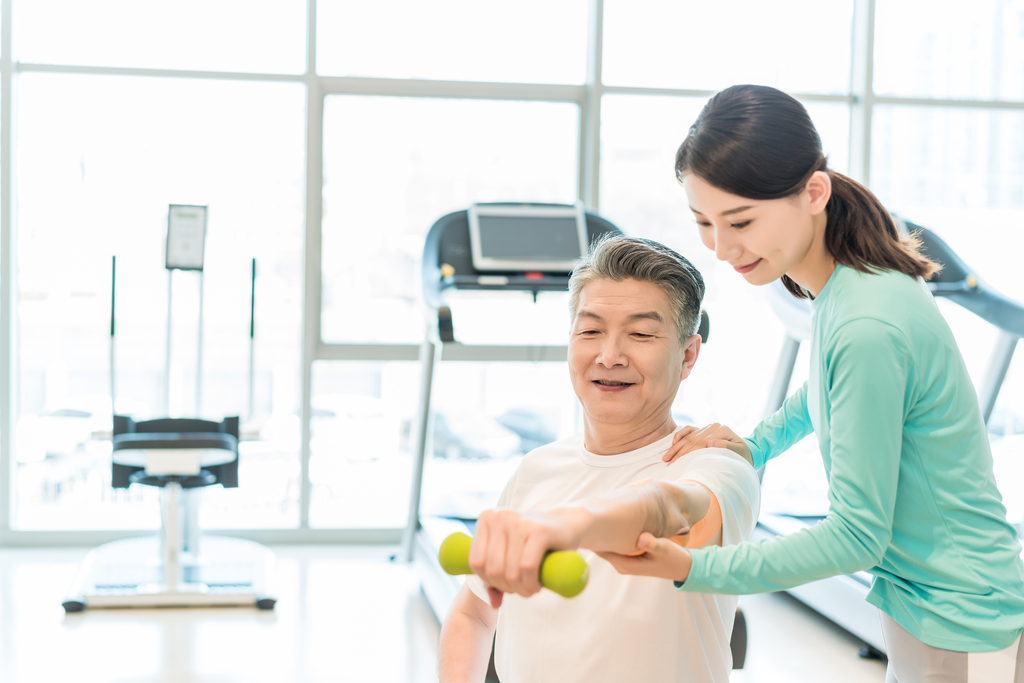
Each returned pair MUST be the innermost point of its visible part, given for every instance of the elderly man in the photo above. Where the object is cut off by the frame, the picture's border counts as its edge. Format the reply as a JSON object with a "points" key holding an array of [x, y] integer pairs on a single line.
{"points": [[635, 308]]}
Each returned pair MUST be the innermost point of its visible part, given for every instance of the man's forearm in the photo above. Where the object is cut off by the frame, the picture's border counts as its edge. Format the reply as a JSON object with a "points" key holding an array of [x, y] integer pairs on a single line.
{"points": [[613, 522], [464, 648]]}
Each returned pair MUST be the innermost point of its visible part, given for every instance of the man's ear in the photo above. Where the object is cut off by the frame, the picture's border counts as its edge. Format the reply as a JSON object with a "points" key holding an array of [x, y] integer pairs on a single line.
{"points": [[690, 352]]}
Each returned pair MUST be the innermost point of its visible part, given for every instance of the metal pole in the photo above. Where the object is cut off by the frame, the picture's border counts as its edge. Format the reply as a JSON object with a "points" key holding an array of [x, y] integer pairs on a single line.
{"points": [[783, 375], [171, 500], [252, 343], [861, 87], [167, 359], [589, 181], [190, 526], [8, 269], [113, 291], [199, 351], [311, 339], [430, 355], [998, 364]]}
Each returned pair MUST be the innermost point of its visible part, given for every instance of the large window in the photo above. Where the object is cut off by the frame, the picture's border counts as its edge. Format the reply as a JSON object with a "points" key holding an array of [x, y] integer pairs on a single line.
{"points": [[328, 163], [394, 165], [955, 50], [126, 149], [256, 36], [796, 45], [531, 41]]}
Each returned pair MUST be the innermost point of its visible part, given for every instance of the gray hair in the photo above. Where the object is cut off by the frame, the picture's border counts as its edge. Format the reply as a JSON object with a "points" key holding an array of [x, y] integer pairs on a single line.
{"points": [[618, 257]]}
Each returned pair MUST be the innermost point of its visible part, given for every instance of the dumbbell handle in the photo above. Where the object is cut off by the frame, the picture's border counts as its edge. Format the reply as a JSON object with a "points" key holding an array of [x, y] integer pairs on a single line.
{"points": [[563, 571]]}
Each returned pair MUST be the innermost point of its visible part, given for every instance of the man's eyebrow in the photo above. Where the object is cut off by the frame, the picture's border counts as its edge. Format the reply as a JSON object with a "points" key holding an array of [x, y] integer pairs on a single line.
{"points": [[647, 315], [727, 212]]}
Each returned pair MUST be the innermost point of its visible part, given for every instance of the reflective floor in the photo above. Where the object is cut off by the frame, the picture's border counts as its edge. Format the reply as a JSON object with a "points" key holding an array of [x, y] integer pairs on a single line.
{"points": [[344, 614]]}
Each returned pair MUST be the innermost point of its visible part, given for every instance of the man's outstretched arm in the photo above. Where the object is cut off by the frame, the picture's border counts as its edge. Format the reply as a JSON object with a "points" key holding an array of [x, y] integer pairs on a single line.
{"points": [[614, 521], [509, 546], [466, 635]]}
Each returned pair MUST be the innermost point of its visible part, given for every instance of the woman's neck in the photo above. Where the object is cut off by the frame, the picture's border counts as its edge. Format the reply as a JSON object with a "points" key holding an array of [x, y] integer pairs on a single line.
{"points": [[817, 266]]}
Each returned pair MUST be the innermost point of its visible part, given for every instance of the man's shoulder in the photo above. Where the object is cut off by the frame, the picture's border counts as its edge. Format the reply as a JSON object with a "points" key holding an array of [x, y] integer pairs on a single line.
{"points": [[704, 456], [563, 448], [717, 463]]}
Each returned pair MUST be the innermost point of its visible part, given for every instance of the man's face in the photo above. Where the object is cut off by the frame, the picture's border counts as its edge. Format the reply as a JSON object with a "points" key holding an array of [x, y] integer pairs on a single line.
{"points": [[625, 359]]}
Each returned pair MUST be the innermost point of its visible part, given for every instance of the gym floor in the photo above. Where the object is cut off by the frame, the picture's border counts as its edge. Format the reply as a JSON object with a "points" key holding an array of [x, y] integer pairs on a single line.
{"points": [[344, 614]]}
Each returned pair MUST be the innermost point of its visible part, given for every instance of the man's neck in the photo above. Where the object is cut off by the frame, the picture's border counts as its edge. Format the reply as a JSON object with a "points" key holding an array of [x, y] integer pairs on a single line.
{"points": [[612, 439]]}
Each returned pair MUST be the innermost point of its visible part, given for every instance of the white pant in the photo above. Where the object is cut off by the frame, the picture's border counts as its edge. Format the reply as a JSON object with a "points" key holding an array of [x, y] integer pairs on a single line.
{"points": [[911, 661]]}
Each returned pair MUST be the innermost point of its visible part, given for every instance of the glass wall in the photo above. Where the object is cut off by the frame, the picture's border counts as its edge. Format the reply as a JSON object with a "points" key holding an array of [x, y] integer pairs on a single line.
{"points": [[125, 150], [394, 165], [532, 41], [253, 36], [328, 163], [799, 46]]}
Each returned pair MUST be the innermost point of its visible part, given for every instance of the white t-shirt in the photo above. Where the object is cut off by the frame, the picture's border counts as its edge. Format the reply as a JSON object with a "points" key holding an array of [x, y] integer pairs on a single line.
{"points": [[620, 628]]}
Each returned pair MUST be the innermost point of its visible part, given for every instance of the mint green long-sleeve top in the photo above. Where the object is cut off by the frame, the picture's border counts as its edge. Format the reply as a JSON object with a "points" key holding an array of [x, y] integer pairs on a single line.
{"points": [[912, 496]]}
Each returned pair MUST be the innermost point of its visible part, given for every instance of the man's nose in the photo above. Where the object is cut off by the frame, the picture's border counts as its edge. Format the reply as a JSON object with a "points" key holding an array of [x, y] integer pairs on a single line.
{"points": [[612, 353]]}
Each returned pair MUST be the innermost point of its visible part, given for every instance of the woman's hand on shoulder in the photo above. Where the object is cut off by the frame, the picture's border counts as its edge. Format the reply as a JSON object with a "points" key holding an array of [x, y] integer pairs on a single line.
{"points": [[714, 435]]}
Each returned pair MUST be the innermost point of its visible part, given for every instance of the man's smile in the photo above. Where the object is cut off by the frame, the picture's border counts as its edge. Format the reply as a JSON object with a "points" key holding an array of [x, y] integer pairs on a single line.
{"points": [[611, 385]]}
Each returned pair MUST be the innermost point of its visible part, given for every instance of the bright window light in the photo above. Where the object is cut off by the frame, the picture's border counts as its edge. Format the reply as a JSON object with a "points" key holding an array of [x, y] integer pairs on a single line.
{"points": [[393, 166], [796, 45], [532, 41], [262, 36]]}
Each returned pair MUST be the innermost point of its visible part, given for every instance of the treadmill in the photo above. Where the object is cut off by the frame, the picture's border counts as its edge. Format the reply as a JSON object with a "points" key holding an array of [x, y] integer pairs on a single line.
{"points": [[841, 598], [501, 247]]}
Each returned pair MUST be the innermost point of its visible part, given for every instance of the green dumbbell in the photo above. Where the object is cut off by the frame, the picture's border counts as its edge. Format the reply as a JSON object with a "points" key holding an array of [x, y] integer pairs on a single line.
{"points": [[563, 571]]}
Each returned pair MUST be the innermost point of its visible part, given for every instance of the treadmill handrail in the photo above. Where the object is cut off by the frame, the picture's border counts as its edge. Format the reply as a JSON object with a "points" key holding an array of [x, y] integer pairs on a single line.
{"points": [[960, 284]]}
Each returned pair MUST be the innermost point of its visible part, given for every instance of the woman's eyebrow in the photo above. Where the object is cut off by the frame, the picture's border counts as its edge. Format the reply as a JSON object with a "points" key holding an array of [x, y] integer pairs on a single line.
{"points": [[727, 212]]}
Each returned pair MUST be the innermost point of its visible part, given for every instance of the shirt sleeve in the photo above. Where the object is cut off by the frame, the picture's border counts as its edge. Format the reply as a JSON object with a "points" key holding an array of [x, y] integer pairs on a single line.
{"points": [[734, 483], [778, 432], [867, 375]]}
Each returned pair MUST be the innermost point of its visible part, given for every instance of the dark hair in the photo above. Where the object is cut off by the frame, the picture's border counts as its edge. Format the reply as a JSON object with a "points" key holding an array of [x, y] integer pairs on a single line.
{"points": [[758, 142], [618, 257]]}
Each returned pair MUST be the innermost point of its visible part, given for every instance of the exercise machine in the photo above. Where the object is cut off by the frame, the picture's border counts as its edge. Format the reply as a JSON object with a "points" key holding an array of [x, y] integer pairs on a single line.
{"points": [[841, 598], [180, 567]]}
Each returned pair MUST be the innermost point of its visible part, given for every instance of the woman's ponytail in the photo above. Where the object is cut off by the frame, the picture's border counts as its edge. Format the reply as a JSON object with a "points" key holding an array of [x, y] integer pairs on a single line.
{"points": [[861, 234]]}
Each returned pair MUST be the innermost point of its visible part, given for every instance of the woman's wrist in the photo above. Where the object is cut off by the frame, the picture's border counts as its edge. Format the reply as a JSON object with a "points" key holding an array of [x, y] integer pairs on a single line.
{"points": [[686, 564]]}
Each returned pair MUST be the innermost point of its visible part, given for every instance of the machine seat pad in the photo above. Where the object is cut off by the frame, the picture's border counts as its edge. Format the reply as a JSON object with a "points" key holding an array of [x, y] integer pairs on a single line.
{"points": [[204, 478], [160, 440]]}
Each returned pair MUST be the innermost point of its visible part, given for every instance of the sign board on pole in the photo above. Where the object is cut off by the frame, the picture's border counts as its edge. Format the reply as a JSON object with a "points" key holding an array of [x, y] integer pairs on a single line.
{"points": [[186, 237]]}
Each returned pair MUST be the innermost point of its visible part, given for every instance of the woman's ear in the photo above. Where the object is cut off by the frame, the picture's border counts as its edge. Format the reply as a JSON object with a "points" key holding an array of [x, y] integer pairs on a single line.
{"points": [[818, 191]]}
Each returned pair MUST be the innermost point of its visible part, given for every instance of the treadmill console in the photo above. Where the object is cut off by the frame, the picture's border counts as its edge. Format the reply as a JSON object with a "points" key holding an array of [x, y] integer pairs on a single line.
{"points": [[527, 238]]}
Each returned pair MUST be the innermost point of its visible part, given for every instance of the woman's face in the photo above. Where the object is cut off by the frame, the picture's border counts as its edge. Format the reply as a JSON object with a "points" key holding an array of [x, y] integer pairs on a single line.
{"points": [[763, 239]]}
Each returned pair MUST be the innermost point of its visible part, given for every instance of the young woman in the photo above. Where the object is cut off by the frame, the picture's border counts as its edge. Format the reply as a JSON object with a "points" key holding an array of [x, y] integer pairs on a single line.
{"points": [[912, 496]]}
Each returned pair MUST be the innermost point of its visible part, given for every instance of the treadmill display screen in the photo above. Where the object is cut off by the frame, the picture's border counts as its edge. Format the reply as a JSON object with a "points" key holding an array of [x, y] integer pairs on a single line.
{"points": [[529, 238]]}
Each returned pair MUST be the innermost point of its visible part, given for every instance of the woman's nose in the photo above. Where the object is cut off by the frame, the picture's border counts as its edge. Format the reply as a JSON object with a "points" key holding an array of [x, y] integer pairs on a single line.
{"points": [[725, 246]]}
